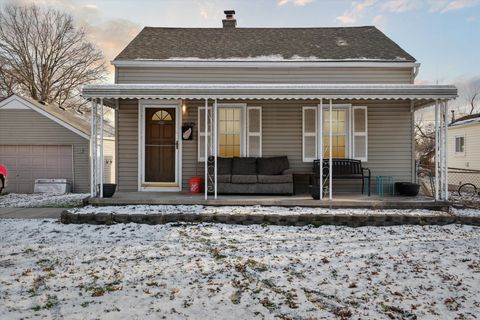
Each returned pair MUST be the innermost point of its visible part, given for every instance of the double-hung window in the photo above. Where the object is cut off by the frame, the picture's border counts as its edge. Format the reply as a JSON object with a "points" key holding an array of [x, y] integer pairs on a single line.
{"points": [[460, 145], [239, 131], [349, 132]]}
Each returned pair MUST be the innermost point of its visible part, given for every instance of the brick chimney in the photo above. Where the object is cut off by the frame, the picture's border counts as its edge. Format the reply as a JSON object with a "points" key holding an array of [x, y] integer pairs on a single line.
{"points": [[229, 21]]}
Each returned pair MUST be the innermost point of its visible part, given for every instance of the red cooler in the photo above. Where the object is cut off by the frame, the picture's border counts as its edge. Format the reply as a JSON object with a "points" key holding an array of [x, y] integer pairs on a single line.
{"points": [[196, 184]]}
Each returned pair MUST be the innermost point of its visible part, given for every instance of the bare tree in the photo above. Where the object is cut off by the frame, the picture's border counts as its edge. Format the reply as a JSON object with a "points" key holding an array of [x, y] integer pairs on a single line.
{"points": [[472, 97], [424, 142], [45, 56]]}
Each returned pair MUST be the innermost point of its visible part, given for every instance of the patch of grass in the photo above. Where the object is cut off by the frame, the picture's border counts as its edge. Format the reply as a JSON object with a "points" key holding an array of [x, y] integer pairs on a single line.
{"points": [[252, 264], [267, 304], [255, 265], [28, 251], [86, 304], [173, 293], [51, 302], [217, 254], [290, 300], [43, 261], [236, 297], [98, 291]]}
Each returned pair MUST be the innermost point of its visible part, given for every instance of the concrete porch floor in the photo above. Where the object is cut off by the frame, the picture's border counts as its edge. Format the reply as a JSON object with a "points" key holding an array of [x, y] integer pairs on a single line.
{"points": [[339, 201]]}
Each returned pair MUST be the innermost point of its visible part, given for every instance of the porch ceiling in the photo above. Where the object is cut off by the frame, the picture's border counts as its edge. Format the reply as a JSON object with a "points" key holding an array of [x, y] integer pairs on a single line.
{"points": [[420, 94]]}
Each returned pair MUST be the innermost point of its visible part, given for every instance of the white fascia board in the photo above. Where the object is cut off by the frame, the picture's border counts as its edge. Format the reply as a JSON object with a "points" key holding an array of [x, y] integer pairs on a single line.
{"points": [[264, 64], [463, 125], [28, 105]]}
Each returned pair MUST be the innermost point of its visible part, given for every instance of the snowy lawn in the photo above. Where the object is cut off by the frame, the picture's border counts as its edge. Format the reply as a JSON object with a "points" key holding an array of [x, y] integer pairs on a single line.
{"points": [[50, 270], [200, 209], [470, 200], [35, 200]]}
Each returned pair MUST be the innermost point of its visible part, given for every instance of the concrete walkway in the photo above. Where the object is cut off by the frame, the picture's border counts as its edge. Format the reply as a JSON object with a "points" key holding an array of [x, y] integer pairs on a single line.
{"points": [[31, 213]]}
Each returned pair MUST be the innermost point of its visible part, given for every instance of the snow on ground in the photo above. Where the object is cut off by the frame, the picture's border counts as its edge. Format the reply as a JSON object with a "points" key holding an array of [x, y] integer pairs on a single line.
{"points": [[469, 200], [199, 209], [466, 212], [32, 200], [180, 271]]}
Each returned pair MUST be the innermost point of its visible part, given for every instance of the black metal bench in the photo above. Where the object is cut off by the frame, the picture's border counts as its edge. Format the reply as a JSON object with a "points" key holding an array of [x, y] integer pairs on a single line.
{"points": [[350, 169]]}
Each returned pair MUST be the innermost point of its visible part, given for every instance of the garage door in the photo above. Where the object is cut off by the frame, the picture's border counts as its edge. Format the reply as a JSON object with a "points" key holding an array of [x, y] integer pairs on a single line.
{"points": [[27, 163]]}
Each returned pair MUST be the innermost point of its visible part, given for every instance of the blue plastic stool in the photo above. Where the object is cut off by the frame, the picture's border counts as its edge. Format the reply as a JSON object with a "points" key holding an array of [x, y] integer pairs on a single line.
{"points": [[387, 181]]}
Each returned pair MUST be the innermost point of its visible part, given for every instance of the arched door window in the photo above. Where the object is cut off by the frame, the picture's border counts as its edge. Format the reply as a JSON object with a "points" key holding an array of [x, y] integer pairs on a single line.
{"points": [[162, 115]]}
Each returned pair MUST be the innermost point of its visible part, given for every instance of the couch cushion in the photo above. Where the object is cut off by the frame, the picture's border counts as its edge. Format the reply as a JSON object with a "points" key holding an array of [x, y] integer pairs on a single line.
{"points": [[272, 165], [223, 178], [247, 166], [272, 179], [244, 178], [224, 166]]}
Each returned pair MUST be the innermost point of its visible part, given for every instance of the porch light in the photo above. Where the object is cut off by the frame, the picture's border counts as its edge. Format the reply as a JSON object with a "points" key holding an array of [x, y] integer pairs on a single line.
{"points": [[184, 107]]}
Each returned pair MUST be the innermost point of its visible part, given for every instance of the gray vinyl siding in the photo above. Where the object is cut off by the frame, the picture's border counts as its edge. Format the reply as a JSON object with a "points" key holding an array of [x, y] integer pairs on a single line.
{"points": [[127, 145], [389, 139], [263, 75], [28, 127]]}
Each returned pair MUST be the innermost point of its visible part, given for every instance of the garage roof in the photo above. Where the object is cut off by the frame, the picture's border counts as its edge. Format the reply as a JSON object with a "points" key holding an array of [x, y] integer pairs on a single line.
{"points": [[67, 119]]}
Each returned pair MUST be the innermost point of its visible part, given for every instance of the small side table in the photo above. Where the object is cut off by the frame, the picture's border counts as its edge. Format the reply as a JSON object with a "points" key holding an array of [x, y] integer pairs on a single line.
{"points": [[385, 181]]}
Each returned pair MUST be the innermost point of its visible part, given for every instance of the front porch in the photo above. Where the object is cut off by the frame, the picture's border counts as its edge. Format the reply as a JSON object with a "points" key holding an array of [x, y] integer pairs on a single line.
{"points": [[338, 202], [370, 123]]}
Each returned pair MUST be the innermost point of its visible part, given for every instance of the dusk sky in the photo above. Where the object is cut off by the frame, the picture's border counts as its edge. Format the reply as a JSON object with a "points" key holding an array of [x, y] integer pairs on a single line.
{"points": [[443, 35]]}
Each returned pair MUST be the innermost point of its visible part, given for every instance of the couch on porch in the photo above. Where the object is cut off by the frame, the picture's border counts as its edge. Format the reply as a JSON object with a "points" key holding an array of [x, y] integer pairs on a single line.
{"points": [[265, 175]]}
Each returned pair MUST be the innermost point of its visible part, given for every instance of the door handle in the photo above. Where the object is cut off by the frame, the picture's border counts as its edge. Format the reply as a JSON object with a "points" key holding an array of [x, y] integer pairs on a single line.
{"points": [[176, 144]]}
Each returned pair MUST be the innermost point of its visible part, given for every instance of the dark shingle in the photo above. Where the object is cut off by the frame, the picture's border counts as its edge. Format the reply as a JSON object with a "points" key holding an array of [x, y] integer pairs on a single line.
{"points": [[467, 117], [352, 43]]}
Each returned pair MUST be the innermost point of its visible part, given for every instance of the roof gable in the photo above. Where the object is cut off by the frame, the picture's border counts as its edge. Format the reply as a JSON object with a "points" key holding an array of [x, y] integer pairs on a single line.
{"points": [[62, 118], [264, 44]]}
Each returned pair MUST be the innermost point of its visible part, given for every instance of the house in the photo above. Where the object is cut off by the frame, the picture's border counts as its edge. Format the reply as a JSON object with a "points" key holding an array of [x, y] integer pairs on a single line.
{"points": [[464, 149], [43, 141], [294, 92]]}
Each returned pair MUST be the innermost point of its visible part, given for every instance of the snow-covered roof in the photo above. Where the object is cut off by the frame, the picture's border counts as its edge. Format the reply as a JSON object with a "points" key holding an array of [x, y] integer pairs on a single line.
{"points": [[465, 120], [264, 44]]}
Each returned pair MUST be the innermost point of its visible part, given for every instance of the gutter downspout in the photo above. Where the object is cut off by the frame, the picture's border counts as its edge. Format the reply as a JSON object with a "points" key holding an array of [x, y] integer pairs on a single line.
{"points": [[416, 70]]}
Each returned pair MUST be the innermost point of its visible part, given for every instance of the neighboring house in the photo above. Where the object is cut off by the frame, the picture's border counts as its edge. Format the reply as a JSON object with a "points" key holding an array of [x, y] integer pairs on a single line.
{"points": [[464, 148], [43, 141], [267, 86]]}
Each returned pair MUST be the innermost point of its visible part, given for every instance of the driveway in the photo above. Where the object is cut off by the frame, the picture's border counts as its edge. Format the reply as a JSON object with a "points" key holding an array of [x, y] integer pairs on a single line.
{"points": [[31, 213]]}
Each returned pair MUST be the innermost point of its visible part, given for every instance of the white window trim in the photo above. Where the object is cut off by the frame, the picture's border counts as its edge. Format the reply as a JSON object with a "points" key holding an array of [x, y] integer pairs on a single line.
{"points": [[142, 105], [348, 135], [253, 134], [309, 134], [201, 133], [359, 134], [243, 127], [460, 154]]}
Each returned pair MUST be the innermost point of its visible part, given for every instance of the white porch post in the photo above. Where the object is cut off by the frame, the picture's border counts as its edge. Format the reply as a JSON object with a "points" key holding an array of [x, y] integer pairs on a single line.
{"points": [[445, 147], [92, 148], [330, 184], [101, 148], [206, 149], [215, 144], [440, 150], [95, 149], [320, 146], [436, 150]]}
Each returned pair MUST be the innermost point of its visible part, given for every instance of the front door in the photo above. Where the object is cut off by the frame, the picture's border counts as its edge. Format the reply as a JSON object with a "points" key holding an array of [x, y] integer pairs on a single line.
{"points": [[160, 153]]}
